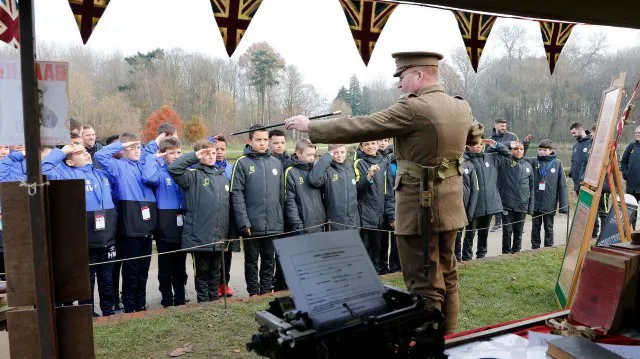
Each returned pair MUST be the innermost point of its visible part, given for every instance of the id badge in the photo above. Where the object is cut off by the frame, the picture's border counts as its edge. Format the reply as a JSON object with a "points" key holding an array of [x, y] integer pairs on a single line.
{"points": [[99, 223], [179, 220], [542, 185], [146, 213]]}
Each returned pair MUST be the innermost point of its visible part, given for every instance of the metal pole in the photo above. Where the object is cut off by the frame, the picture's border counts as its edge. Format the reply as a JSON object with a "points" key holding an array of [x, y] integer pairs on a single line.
{"points": [[43, 280]]}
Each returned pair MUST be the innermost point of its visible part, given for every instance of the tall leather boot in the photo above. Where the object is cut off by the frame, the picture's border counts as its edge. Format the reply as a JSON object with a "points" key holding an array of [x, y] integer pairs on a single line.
{"points": [[450, 310]]}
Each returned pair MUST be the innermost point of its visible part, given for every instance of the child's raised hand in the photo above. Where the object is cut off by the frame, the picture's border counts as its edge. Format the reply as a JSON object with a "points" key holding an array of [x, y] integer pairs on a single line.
{"points": [[126, 145], [489, 142], [528, 138], [160, 137], [203, 152]]}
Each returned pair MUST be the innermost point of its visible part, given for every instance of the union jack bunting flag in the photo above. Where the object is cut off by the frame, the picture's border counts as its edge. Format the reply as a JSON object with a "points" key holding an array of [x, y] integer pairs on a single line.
{"points": [[233, 18], [475, 30], [554, 36], [366, 20], [87, 14], [9, 23]]}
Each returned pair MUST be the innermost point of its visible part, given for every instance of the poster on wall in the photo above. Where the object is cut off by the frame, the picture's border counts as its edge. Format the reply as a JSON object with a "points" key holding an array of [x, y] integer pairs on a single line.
{"points": [[53, 99]]}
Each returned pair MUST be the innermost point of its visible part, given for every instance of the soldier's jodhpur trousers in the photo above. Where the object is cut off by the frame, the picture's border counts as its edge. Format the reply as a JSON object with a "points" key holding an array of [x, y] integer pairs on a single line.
{"points": [[441, 286]]}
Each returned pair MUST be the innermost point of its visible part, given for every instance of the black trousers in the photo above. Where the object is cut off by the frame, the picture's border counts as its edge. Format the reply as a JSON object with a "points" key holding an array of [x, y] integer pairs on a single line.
{"points": [[480, 225], [207, 274], [264, 250], [103, 273], [371, 240], [538, 220], [228, 255], [172, 273], [135, 273], [117, 267], [603, 211], [512, 228], [389, 260], [635, 213], [279, 282], [3, 276]]}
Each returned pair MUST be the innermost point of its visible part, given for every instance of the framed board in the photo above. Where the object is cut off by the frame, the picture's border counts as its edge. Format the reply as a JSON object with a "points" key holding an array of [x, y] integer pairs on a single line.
{"points": [[607, 120], [579, 239]]}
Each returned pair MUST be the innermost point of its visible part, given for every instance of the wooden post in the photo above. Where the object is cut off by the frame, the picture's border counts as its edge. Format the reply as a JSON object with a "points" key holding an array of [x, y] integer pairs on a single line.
{"points": [[46, 324]]}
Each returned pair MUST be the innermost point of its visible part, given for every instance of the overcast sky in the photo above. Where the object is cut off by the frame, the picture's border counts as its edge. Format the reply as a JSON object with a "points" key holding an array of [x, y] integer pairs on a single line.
{"points": [[311, 34]]}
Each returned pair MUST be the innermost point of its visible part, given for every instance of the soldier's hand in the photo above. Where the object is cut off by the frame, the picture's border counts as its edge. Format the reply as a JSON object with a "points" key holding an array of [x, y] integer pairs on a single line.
{"points": [[393, 224], [247, 231], [490, 142], [300, 123], [203, 152]]}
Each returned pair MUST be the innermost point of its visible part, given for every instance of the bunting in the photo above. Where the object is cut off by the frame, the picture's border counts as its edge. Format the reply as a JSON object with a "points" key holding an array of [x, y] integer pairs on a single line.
{"points": [[366, 20], [475, 30], [554, 36], [9, 23], [87, 14], [233, 18]]}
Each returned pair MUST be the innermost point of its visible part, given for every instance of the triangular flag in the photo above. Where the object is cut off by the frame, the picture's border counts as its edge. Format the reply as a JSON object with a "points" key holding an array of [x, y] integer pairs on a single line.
{"points": [[475, 30], [554, 36], [233, 18], [87, 14], [366, 20], [9, 23]]}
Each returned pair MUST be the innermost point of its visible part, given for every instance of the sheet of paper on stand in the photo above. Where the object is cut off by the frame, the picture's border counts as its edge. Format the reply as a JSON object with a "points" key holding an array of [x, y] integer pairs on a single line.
{"points": [[540, 340], [330, 276], [507, 346]]}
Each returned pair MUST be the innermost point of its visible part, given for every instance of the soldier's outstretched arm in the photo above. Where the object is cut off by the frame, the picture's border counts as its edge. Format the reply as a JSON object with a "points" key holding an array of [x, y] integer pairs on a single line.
{"points": [[394, 121]]}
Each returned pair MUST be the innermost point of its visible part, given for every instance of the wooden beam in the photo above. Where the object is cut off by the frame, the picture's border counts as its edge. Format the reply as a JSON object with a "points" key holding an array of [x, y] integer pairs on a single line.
{"points": [[41, 257], [75, 331], [622, 13], [23, 334]]}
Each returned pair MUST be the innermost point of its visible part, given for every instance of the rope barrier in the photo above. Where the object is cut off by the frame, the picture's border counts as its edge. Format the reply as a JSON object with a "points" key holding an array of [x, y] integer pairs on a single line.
{"points": [[229, 240]]}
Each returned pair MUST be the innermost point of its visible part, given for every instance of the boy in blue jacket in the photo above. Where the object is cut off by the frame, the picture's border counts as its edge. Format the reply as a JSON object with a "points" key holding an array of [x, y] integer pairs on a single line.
{"points": [[172, 272], [137, 216], [74, 162]]}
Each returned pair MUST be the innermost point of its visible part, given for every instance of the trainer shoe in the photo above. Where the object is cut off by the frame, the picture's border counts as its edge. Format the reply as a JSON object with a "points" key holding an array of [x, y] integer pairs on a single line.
{"points": [[229, 292]]}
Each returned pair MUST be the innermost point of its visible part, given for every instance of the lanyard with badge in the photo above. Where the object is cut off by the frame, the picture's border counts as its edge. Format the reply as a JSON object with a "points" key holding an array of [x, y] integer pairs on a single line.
{"points": [[144, 207], [99, 223], [542, 184]]}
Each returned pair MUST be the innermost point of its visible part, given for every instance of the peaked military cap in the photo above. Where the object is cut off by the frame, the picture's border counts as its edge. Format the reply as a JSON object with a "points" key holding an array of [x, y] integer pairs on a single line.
{"points": [[405, 60]]}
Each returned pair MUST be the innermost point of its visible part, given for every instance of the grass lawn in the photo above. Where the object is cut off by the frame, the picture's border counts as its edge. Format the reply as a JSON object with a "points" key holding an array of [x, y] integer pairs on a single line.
{"points": [[491, 291]]}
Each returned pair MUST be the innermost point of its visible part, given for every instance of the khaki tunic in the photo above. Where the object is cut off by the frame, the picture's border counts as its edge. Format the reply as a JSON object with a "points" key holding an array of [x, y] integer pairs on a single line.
{"points": [[426, 127]]}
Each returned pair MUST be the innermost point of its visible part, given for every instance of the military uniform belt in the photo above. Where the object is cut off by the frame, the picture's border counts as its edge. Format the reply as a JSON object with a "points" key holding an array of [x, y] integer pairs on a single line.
{"points": [[448, 168]]}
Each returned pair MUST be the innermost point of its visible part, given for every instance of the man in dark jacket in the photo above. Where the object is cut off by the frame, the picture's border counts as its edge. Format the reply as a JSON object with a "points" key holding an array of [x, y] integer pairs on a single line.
{"points": [[487, 165], [515, 184], [257, 199], [303, 208], [579, 154], [469, 198], [630, 167], [171, 267], [90, 143], [338, 180], [74, 162], [550, 191], [206, 219], [137, 216], [376, 203]]}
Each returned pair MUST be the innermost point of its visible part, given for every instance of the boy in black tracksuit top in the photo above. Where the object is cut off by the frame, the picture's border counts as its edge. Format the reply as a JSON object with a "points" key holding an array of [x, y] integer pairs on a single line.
{"points": [[302, 202], [172, 273], [376, 202], [137, 216], [338, 180], [470, 189], [515, 184], [257, 197], [389, 260], [206, 220], [550, 190], [488, 204], [278, 148]]}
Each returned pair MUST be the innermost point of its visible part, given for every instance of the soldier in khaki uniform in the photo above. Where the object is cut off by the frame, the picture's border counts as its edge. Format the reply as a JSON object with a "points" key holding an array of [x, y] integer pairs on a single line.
{"points": [[431, 129]]}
